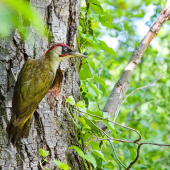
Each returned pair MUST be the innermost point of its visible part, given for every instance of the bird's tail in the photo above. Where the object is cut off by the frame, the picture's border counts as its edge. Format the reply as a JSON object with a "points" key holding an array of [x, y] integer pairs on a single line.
{"points": [[17, 132]]}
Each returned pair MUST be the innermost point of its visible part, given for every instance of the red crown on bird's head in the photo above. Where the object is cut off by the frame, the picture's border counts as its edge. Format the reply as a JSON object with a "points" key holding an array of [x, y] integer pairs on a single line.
{"points": [[57, 44]]}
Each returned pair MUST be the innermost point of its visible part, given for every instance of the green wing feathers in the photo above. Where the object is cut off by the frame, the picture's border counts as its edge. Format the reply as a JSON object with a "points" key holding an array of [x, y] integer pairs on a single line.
{"points": [[34, 81]]}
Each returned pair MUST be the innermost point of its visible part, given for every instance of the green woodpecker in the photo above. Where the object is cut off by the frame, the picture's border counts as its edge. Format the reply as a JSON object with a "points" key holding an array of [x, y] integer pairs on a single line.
{"points": [[34, 81]]}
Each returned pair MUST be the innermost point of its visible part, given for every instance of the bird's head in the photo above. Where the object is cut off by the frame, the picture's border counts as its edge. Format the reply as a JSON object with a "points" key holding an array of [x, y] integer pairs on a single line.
{"points": [[61, 51]]}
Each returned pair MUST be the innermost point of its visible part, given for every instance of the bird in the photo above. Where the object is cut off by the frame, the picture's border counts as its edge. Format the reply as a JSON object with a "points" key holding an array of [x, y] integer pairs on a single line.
{"points": [[34, 81]]}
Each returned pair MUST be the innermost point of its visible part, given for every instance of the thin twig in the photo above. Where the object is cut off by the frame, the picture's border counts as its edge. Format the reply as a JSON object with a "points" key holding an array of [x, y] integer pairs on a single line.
{"points": [[138, 152], [120, 140], [99, 75], [71, 116], [150, 143], [143, 143], [108, 138], [116, 154], [137, 104], [115, 124], [41, 164], [131, 113], [137, 157], [98, 85], [139, 88]]}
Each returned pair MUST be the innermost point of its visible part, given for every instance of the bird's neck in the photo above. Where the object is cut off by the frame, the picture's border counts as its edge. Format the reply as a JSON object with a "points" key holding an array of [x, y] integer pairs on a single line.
{"points": [[53, 61]]}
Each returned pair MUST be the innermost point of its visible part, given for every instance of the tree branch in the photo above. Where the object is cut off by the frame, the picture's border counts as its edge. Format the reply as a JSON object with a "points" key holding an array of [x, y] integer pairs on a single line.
{"points": [[112, 102], [137, 157]]}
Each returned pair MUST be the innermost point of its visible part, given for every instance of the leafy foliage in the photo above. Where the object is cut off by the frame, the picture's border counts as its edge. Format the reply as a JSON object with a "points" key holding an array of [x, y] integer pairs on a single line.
{"points": [[146, 110], [13, 10]]}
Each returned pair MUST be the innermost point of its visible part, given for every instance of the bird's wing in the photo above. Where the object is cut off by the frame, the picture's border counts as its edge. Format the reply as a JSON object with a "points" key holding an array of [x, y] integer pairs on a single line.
{"points": [[34, 81]]}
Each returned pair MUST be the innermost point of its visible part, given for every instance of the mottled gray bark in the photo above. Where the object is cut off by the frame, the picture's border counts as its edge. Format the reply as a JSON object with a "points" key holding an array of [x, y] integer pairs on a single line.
{"points": [[51, 127]]}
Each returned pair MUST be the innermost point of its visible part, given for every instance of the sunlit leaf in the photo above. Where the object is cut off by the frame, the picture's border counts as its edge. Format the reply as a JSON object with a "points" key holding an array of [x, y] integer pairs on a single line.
{"points": [[70, 100], [78, 150], [61, 165], [107, 49], [99, 153], [100, 81], [43, 152], [94, 145], [90, 159]]}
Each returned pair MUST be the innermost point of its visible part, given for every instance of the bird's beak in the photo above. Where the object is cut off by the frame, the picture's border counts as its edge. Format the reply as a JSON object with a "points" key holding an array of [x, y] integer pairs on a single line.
{"points": [[76, 54]]}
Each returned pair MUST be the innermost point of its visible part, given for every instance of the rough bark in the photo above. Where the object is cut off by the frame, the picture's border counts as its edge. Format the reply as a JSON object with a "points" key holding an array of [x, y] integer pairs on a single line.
{"points": [[51, 127]]}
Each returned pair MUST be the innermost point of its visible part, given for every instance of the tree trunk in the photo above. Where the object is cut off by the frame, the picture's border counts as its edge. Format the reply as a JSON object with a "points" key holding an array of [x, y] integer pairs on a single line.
{"points": [[51, 127]]}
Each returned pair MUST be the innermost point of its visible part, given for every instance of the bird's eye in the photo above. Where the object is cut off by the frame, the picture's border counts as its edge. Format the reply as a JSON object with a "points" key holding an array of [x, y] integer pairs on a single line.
{"points": [[65, 49]]}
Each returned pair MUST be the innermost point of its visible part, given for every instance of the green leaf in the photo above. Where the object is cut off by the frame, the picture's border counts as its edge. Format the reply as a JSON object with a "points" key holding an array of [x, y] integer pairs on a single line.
{"points": [[94, 145], [70, 100], [85, 72], [90, 159], [90, 39], [43, 152], [61, 165], [78, 150], [81, 120], [109, 124], [105, 17], [86, 128], [99, 154], [84, 88], [106, 115], [95, 8], [87, 40], [45, 160], [106, 20], [107, 49], [97, 47], [104, 141], [96, 2], [96, 90], [94, 128], [91, 93], [111, 127], [81, 104], [100, 81], [97, 112]]}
